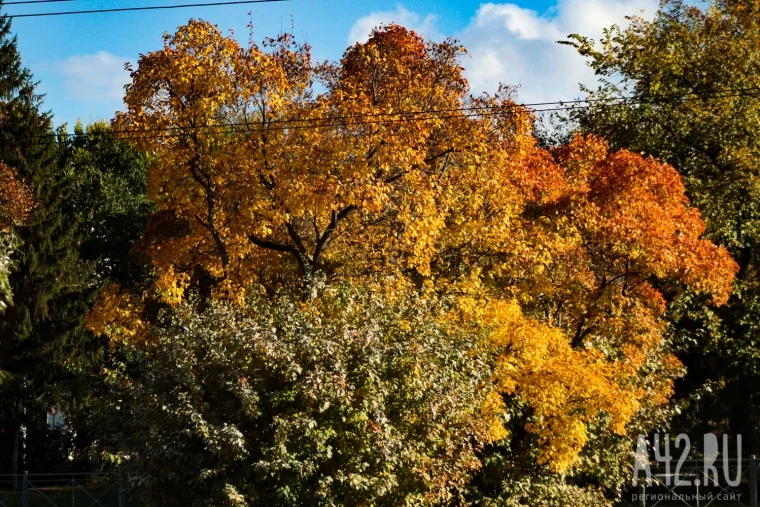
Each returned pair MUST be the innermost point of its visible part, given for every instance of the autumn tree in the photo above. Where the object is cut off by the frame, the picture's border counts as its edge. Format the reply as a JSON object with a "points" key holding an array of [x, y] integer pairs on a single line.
{"points": [[685, 91], [395, 178], [15, 204]]}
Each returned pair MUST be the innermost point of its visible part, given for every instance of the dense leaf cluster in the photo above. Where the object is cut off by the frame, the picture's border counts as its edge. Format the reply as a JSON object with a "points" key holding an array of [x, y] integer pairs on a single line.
{"points": [[693, 74], [348, 400]]}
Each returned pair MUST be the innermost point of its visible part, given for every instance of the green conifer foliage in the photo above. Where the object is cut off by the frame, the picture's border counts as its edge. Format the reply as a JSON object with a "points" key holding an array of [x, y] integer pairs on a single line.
{"points": [[89, 193]]}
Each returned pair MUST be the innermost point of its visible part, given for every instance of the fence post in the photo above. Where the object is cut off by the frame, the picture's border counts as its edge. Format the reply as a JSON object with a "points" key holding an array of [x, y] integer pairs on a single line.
{"points": [[753, 482], [25, 489], [121, 492]]}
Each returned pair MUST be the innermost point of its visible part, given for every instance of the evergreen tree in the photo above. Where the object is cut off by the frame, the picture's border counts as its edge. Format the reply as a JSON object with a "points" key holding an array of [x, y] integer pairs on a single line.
{"points": [[43, 262], [112, 208], [87, 191]]}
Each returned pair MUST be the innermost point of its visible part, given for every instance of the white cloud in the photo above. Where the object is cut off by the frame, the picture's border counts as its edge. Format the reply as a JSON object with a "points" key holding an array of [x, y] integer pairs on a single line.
{"points": [[424, 26], [98, 77], [510, 18], [517, 46]]}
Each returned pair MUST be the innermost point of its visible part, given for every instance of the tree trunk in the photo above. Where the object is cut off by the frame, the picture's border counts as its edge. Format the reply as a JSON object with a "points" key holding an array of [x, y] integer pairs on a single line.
{"points": [[16, 454]]}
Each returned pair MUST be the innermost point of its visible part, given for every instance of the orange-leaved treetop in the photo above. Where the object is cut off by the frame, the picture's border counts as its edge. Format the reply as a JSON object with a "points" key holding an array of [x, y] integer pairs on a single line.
{"points": [[16, 202], [271, 173]]}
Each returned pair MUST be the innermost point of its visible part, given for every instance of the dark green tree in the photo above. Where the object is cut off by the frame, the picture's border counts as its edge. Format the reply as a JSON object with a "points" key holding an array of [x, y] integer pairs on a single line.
{"points": [[45, 263], [111, 204], [110, 199], [89, 211]]}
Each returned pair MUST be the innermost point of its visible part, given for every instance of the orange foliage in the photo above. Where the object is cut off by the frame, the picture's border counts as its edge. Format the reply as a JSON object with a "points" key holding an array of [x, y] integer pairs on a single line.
{"points": [[16, 200], [394, 173]]}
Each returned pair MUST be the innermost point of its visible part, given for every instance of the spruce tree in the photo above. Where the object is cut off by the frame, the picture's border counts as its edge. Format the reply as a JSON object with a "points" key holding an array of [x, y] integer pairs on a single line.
{"points": [[91, 207], [49, 278]]}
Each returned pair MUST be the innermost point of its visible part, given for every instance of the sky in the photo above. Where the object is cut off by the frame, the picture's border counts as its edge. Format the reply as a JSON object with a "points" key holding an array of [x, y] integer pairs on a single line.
{"points": [[79, 60]]}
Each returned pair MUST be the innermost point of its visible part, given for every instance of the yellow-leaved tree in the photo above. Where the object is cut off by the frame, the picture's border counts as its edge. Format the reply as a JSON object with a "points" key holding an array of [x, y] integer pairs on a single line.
{"points": [[272, 174]]}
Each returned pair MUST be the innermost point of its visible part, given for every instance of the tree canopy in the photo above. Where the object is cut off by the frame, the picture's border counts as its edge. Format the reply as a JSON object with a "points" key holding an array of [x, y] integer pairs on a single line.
{"points": [[273, 281], [270, 173], [685, 87], [347, 400]]}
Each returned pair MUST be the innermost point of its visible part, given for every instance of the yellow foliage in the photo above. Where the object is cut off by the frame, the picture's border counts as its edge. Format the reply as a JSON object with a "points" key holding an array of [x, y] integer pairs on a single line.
{"points": [[393, 175]]}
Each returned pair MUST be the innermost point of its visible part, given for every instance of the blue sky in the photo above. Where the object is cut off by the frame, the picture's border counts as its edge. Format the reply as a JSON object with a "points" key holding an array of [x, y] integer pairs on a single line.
{"points": [[79, 59]]}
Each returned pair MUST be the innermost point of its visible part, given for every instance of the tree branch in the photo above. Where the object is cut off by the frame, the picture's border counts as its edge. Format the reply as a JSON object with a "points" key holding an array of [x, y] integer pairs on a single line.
{"points": [[439, 155], [278, 247], [581, 334], [324, 240], [204, 180], [296, 238], [395, 177]]}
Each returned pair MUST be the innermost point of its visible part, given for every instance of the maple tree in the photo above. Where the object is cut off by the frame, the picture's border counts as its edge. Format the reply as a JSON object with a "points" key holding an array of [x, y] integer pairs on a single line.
{"points": [[392, 176], [685, 83]]}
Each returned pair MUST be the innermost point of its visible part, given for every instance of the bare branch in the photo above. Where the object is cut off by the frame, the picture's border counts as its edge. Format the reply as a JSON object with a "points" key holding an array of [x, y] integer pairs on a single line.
{"points": [[296, 238], [279, 247], [326, 237]]}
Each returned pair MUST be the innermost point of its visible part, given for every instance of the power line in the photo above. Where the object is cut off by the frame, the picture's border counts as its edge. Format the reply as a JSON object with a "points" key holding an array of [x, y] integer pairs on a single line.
{"points": [[403, 116], [407, 116], [735, 92], [32, 2], [533, 107], [128, 9], [257, 128]]}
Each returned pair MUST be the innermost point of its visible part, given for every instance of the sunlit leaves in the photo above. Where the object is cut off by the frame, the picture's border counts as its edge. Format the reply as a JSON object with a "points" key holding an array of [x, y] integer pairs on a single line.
{"points": [[391, 175], [16, 202], [346, 400]]}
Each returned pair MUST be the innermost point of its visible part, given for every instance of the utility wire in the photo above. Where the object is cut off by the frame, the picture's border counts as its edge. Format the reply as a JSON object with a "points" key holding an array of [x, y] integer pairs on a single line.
{"points": [[129, 9], [338, 121], [501, 109], [32, 2], [402, 116]]}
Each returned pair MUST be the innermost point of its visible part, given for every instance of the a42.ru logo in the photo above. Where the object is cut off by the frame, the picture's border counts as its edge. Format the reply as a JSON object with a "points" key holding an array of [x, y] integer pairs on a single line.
{"points": [[718, 462]]}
